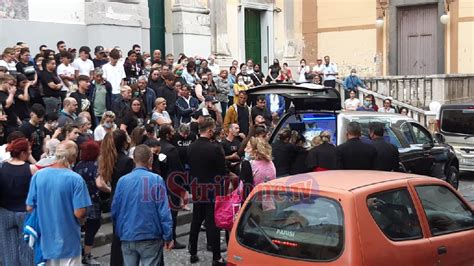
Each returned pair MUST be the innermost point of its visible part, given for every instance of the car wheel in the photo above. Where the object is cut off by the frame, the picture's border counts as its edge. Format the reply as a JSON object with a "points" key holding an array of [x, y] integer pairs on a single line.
{"points": [[452, 176]]}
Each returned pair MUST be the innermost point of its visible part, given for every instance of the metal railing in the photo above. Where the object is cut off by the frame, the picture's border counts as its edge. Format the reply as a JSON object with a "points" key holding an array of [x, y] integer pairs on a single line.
{"points": [[423, 116]]}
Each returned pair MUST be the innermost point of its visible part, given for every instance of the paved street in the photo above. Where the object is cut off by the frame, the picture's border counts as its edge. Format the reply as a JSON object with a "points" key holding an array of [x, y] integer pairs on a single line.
{"points": [[181, 257], [466, 186], [174, 257]]}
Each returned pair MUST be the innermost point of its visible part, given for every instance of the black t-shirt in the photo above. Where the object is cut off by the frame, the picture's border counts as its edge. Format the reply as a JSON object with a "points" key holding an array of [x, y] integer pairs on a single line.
{"points": [[132, 120], [12, 118], [98, 62], [231, 147], [27, 69], [182, 145], [257, 78], [36, 135], [47, 77], [48, 132], [247, 78], [83, 103], [21, 107], [243, 119]]}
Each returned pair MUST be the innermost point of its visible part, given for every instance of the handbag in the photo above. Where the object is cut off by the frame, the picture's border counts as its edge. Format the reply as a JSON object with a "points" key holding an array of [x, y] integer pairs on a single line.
{"points": [[227, 207]]}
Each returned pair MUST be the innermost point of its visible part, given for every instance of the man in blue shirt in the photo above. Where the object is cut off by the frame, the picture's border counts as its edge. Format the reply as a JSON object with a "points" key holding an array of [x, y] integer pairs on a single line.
{"points": [[352, 82], [60, 198], [141, 213]]}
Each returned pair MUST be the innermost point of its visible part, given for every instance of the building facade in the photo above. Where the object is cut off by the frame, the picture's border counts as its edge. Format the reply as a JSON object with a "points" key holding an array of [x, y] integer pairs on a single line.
{"points": [[409, 39], [376, 37]]}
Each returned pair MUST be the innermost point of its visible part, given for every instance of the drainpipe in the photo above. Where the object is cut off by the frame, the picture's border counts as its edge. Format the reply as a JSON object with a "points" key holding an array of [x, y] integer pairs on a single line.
{"points": [[157, 25]]}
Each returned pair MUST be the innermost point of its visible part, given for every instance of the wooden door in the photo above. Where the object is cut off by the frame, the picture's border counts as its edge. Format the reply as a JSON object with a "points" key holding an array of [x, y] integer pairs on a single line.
{"points": [[253, 39], [417, 40]]}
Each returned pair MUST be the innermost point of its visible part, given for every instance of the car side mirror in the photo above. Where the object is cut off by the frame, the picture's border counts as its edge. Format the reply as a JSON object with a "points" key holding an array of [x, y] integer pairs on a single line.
{"points": [[439, 137]]}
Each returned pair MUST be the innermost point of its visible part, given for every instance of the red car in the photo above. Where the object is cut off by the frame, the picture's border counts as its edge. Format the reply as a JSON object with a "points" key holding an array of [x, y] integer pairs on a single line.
{"points": [[353, 218]]}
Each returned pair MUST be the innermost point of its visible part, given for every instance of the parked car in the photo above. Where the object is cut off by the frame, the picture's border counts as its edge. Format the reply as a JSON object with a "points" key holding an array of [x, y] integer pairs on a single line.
{"points": [[353, 218], [315, 109], [456, 128]]}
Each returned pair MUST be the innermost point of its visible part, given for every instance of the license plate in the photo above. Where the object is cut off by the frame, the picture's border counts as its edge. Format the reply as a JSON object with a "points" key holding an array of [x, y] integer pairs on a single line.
{"points": [[467, 161]]}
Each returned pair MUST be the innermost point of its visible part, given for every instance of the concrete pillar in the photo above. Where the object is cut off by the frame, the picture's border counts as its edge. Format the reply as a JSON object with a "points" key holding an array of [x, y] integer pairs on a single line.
{"points": [[439, 90], [191, 28], [117, 23], [220, 39]]}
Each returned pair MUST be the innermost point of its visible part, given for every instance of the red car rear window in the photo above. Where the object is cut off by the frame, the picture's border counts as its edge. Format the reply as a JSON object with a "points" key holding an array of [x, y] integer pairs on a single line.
{"points": [[293, 225]]}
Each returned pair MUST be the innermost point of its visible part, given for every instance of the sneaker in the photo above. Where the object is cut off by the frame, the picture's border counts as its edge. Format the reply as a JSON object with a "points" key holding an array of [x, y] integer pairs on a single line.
{"points": [[194, 259], [178, 245], [88, 260]]}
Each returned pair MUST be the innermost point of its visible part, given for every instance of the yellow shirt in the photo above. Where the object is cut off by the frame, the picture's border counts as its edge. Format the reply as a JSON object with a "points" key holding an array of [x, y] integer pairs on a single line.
{"points": [[238, 88]]}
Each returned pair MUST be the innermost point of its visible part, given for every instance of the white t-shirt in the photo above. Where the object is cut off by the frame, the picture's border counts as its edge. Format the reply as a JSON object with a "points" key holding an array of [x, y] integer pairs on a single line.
{"points": [[84, 67], [351, 104], [215, 69], [301, 73], [318, 68], [10, 66], [114, 75], [383, 110], [99, 132], [164, 115], [67, 71]]}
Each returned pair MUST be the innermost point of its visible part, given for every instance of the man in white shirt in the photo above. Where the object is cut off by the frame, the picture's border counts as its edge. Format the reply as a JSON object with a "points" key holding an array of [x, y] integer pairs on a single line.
{"points": [[213, 67], [83, 65], [330, 73], [114, 73], [66, 72]]}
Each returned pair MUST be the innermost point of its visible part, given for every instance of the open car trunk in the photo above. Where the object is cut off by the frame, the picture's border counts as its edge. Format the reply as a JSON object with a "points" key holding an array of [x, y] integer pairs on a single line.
{"points": [[304, 96]]}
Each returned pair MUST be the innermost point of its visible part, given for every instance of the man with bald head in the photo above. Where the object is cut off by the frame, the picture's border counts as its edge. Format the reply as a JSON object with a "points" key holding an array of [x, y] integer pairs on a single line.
{"points": [[157, 57], [60, 197], [68, 113]]}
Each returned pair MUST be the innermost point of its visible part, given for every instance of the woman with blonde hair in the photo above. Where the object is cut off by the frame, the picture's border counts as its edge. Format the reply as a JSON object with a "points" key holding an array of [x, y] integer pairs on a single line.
{"points": [[107, 124], [8, 59], [258, 166], [160, 115], [322, 157]]}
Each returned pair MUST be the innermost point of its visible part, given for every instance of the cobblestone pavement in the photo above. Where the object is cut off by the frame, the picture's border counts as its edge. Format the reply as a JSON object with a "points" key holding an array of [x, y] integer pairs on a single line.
{"points": [[173, 257]]}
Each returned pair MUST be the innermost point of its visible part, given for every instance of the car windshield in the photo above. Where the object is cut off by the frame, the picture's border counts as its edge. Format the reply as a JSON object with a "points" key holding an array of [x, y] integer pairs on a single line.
{"points": [[460, 121], [311, 125], [294, 225]]}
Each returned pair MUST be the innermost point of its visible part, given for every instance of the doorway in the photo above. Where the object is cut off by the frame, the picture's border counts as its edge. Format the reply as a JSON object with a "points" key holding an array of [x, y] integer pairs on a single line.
{"points": [[418, 51], [253, 39]]}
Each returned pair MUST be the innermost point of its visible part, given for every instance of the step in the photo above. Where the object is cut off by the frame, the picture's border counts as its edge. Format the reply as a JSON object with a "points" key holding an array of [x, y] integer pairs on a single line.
{"points": [[105, 234]]}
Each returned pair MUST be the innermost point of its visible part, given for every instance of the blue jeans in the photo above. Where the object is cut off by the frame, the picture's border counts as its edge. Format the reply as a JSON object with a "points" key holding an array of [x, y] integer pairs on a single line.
{"points": [[13, 249], [148, 252]]}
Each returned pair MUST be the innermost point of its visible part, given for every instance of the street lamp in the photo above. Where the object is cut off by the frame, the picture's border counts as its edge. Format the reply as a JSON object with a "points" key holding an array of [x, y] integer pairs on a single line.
{"points": [[382, 5], [444, 19], [379, 23]]}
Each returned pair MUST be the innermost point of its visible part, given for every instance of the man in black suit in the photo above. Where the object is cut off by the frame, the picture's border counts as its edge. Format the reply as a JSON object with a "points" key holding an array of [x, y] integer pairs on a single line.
{"points": [[355, 154], [173, 168], [387, 154], [207, 162]]}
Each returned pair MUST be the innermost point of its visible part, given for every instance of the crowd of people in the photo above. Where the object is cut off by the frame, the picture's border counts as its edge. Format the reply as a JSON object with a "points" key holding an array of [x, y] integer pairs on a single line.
{"points": [[136, 135]]}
